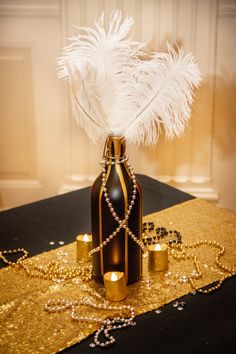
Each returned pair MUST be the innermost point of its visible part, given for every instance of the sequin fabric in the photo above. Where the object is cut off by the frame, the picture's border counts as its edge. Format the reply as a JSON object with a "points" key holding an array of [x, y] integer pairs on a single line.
{"points": [[25, 327]]}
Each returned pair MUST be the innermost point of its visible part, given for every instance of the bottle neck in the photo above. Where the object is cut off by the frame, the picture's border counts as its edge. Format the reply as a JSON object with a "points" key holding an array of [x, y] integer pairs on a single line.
{"points": [[115, 147]]}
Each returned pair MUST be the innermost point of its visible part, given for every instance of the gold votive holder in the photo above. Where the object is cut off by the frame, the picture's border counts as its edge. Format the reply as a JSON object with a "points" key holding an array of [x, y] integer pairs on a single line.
{"points": [[115, 286], [158, 257], [83, 246]]}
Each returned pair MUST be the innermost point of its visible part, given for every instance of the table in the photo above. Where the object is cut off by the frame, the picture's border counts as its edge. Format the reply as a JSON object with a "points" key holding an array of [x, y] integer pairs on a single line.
{"points": [[206, 325]]}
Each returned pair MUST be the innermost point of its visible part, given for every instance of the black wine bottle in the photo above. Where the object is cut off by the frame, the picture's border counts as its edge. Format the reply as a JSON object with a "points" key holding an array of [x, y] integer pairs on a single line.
{"points": [[121, 253]]}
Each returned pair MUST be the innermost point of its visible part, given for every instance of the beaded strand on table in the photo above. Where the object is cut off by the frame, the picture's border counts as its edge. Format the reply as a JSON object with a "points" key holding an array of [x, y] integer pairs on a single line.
{"points": [[50, 271], [107, 325], [14, 251], [152, 235], [178, 252]]}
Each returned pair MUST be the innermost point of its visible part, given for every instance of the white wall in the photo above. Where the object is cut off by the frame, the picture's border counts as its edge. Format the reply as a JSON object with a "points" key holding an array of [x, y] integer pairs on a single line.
{"points": [[43, 152], [224, 129]]}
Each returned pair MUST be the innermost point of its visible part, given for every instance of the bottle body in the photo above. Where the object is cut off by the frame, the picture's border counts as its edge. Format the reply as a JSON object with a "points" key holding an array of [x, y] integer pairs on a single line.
{"points": [[121, 253]]}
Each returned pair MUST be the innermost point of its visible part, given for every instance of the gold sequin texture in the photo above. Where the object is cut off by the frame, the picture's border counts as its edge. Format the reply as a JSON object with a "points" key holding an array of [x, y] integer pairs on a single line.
{"points": [[25, 327]]}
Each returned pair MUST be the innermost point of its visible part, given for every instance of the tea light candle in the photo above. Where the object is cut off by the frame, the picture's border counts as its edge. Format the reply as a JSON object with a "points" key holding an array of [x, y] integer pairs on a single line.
{"points": [[158, 257], [115, 286], [84, 245]]}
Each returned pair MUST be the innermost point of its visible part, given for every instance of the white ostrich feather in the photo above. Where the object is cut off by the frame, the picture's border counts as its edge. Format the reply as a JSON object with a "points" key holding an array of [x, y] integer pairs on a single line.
{"points": [[118, 89]]}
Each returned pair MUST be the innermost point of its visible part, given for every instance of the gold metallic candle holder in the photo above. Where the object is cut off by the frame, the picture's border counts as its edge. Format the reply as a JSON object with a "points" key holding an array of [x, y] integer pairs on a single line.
{"points": [[83, 246], [158, 257], [115, 286]]}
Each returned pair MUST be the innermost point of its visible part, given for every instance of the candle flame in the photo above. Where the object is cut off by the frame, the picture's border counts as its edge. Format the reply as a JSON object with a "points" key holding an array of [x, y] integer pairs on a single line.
{"points": [[114, 276], [157, 247], [86, 238]]}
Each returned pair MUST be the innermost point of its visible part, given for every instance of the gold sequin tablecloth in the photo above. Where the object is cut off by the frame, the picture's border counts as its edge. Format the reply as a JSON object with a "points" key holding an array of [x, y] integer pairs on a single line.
{"points": [[26, 328]]}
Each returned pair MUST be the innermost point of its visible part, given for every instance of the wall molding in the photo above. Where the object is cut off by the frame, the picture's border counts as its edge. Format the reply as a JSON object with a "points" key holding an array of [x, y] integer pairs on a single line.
{"points": [[17, 130], [14, 193], [200, 189], [74, 182], [207, 193], [198, 186], [22, 184], [227, 10], [185, 180], [33, 8]]}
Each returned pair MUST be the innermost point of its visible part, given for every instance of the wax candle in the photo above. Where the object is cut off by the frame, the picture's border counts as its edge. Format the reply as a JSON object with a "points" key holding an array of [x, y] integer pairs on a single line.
{"points": [[84, 245], [158, 257], [115, 286]]}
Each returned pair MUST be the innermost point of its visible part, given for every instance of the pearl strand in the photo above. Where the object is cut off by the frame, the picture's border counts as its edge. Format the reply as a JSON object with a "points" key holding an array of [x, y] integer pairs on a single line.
{"points": [[107, 325], [122, 223], [50, 271], [14, 251], [178, 251]]}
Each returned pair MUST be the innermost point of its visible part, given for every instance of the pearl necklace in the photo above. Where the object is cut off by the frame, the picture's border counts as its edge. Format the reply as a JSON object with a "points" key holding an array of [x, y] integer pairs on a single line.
{"points": [[152, 236], [178, 252], [51, 271], [122, 222], [15, 251], [107, 325]]}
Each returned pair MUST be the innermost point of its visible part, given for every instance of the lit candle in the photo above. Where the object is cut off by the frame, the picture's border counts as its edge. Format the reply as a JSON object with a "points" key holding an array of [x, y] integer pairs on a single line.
{"points": [[84, 245], [158, 257], [115, 286]]}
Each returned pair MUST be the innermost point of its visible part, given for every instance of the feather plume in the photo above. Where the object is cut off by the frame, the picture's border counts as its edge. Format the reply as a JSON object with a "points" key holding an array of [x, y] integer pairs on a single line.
{"points": [[118, 89]]}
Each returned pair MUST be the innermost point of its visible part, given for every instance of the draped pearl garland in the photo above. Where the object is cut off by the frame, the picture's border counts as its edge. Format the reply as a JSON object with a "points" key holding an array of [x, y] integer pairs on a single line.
{"points": [[123, 223]]}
